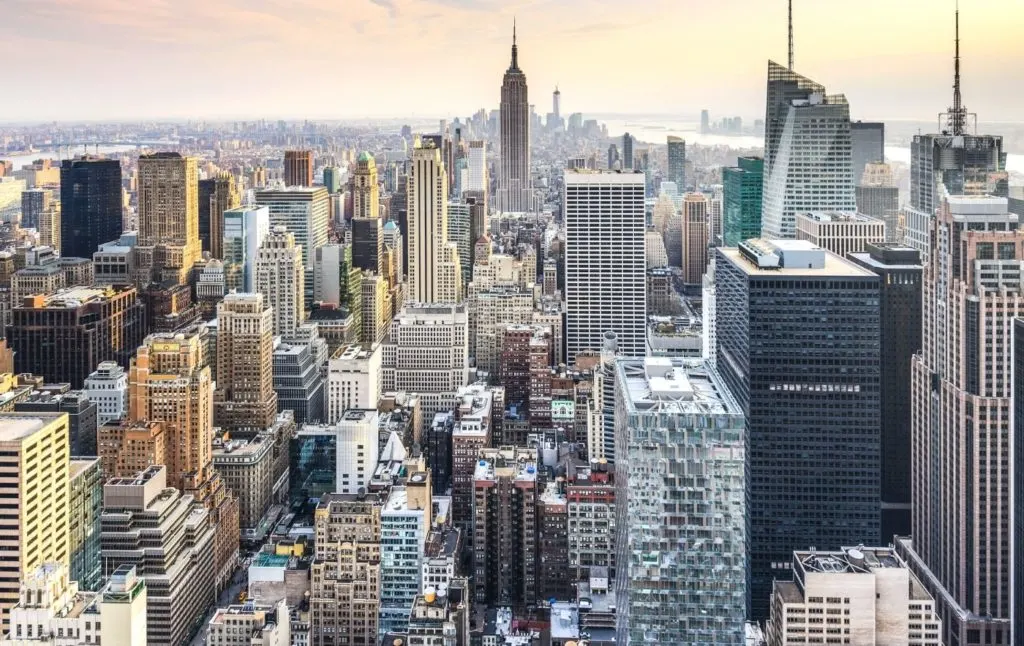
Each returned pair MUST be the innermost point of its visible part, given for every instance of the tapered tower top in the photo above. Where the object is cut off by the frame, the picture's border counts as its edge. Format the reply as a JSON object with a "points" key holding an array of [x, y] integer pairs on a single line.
{"points": [[514, 67]]}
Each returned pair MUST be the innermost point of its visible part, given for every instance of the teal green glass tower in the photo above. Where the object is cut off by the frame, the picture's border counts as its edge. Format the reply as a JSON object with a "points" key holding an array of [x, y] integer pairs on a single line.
{"points": [[332, 179], [741, 200]]}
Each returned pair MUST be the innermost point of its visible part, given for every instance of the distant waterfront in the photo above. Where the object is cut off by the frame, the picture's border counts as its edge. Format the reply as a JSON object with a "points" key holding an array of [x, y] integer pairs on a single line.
{"points": [[52, 153]]}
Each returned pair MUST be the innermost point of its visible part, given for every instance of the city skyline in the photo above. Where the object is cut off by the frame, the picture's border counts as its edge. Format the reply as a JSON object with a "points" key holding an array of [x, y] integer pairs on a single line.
{"points": [[273, 46]]}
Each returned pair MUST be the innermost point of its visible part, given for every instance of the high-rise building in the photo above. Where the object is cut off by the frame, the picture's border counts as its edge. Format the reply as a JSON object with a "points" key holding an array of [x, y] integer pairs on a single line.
{"points": [[742, 190], [216, 195], [860, 595], [244, 231], [773, 301], [91, 205], [553, 543], [374, 308], [627, 152], [961, 396], [299, 366], [867, 146], [515, 184], [85, 504], [695, 237], [434, 272], [460, 234], [698, 452], [281, 279], [245, 397], [677, 162], [298, 168], [336, 279], [353, 379], [479, 410], [34, 451], [64, 335], [169, 540], [879, 197], [365, 188], [900, 284], [332, 179], [344, 601], [168, 245], [49, 226], [304, 212], [59, 398], [505, 494], [807, 152], [33, 202], [840, 233], [605, 268], [107, 387], [590, 496], [477, 180], [404, 524]]}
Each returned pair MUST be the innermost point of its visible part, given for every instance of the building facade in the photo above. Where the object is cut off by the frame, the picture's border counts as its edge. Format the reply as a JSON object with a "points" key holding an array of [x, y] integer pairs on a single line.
{"points": [[515, 185], [245, 397], [91, 205], [281, 279], [840, 233], [742, 193]]}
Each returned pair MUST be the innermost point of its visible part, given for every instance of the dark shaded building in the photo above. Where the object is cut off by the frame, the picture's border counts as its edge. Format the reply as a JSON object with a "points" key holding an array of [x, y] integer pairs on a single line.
{"points": [[867, 146], [742, 192], [367, 245], [677, 162], [899, 271], [298, 168], [90, 198], [1018, 474], [798, 344], [299, 376], [437, 448], [553, 545], [478, 222], [169, 307], [63, 336], [216, 195], [34, 202], [82, 414]]}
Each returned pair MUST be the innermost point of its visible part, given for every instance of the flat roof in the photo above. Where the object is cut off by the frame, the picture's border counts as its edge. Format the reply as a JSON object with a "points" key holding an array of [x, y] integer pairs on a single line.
{"points": [[13, 429], [834, 266]]}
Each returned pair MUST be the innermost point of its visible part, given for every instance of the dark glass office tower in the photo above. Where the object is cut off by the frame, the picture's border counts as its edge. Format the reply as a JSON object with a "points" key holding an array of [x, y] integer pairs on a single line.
{"points": [[867, 141], [677, 162], [90, 197], [742, 192], [368, 244], [899, 290], [216, 195], [798, 344]]}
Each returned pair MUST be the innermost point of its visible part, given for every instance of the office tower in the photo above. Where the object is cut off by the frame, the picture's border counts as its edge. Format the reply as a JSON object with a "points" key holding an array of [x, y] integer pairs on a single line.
{"points": [[245, 397], [394, 244], [404, 524], [305, 213], [107, 387], [699, 453], [344, 601], [126, 447], [216, 196], [65, 335], [775, 299], [867, 146], [705, 122], [807, 152], [91, 204], [525, 365], [656, 254], [353, 379], [864, 595], [299, 364], [460, 235], [336, 279], [900, 282], [741, 200], [590, 496], [49, 226], [33, 202], [478, 415], [840, 233], [85, 504], [59, 398], [332, 179], [505, 493], [695, 238], [677, 162], [613, 157], [281, 279], [434, 273], [374, 309], [167, 537], [477, 180], [437, 446], [298, 168], [123, 609], [556, 101], [365, 188], [261, 624], [879, 197], [168, 244], [244, 231], [34, 451], [426, 352], [354, 446], [627, 152], [966, 365], [605, 288], [479, 224], [515, 184]]}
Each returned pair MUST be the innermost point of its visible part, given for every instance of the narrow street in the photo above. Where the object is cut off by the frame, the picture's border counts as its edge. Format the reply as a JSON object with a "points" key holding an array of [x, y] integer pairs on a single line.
{"points": [[227, 597]]}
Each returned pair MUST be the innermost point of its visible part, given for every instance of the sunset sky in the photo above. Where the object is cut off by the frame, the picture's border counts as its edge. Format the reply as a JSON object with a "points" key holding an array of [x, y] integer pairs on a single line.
{"points": [[109, 59]]}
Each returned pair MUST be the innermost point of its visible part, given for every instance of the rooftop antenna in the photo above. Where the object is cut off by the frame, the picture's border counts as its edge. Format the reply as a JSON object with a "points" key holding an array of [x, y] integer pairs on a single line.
{"points": [[957, 113], [791, 35]]}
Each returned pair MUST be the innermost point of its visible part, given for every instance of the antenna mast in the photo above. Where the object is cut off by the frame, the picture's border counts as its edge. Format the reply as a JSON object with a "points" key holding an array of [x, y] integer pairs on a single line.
{"points": [[958, 113], [791, 35]]}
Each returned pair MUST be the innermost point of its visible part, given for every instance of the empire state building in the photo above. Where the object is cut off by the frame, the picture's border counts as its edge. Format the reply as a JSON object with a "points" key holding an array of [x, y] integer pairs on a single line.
{"points": [[515, 188]]}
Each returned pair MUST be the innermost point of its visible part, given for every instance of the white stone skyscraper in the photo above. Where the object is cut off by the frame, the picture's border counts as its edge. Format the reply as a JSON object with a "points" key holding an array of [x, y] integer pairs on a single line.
{"points": [[605, 267], [515, 187], [305, 212], [808, 152], [434, 272], [281, 280], [477, 177]]}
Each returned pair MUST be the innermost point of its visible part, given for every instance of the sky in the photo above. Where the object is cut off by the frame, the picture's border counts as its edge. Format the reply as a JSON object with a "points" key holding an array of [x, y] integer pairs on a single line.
{"points": [[320, 59]]}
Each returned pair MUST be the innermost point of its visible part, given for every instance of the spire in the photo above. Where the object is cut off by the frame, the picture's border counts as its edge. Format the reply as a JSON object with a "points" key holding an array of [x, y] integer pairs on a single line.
{"points": [[957, 113], [791, 35], [515, 50]]}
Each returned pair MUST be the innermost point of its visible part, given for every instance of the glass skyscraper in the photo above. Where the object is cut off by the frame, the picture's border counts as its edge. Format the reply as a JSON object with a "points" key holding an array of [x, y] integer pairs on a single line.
{"points": [[90, 201], [741, 200]]}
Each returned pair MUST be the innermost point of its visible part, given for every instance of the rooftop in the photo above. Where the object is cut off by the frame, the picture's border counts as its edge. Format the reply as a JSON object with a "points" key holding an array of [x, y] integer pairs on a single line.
{"points": [[768, 258], [840, 217], [681, 386], [14, 428]]}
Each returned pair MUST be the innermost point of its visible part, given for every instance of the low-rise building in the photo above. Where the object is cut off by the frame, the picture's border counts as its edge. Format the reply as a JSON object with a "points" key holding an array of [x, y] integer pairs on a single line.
{"points": [[840, 232], [251, 624]]}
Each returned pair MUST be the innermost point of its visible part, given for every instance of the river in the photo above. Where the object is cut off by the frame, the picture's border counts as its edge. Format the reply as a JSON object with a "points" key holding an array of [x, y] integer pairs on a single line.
{"points": [[52, 153]]}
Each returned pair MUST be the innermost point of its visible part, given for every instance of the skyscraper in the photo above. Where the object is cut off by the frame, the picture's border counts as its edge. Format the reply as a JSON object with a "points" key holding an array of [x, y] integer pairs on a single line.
{"points": [[515, 186], [245, 397], [434, 273], [90, 198], [33, 202], [961, 435], [742, 190], [244, 231], [695, 238], [298, 168], [679, 436], [605, 266], [280, 278], [556, 103], [627, 152], [304, 212], [879, 197], [807, 152], [797, 335], [477, 178], [867, 146], [216, 195], [367, 238], [168, 245], [365, 189], [677, 162]]}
